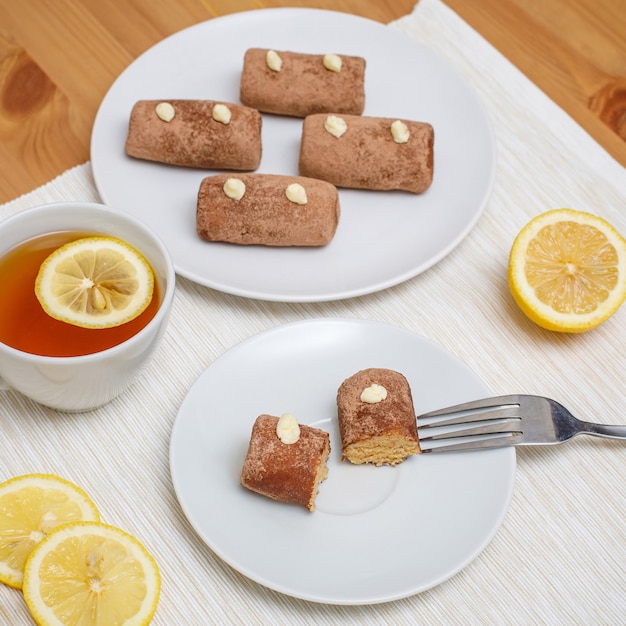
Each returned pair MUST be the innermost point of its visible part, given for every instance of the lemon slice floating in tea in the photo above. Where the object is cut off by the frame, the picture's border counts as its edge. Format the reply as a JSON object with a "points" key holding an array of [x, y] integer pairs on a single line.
{"points": [[91, 574], [31, 506], [95, 282], [567, 270]]}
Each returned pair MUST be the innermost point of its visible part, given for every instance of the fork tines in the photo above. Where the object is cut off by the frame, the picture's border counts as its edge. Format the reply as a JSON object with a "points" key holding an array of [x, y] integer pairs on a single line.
{"points": [[489, 423]]}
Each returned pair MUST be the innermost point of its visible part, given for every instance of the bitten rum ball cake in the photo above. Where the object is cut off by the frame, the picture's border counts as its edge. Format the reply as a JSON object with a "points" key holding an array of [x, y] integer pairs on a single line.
{"points": [[195, 133], [297, 84], [267, 209], [286, 461], [376, 418], [376, 153]]}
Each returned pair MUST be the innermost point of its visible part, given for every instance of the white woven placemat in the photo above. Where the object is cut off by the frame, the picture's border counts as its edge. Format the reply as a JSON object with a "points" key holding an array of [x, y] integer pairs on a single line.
{"points": [[560, 556]]}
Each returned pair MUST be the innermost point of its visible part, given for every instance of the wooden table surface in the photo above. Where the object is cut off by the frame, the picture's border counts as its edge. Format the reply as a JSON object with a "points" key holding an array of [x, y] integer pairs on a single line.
{"points": [[59, 57]]}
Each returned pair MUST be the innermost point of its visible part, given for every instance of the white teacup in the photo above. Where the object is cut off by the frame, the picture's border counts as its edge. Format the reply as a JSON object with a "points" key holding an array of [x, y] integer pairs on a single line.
{"points": [[81, 383]]}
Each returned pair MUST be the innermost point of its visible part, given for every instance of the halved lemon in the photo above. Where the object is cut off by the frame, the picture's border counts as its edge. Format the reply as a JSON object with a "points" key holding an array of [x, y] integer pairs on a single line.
{"points": [[31, 506], [567, 270], [95, 282], [91, 574]]}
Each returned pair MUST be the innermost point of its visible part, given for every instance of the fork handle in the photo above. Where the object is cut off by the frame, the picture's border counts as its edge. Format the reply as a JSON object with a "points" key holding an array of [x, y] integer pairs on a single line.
{"points": [[602, 430]]}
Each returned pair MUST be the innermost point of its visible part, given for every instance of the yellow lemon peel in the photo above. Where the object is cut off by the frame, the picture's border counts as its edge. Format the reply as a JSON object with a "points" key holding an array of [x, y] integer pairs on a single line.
{"points": [[31, 506], [92, 574], [567, 270], [95, 282]]}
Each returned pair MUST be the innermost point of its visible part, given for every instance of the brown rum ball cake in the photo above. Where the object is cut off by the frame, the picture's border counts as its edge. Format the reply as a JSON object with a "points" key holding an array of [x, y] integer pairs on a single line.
{"points": [[195, 133], [286, 461], [376, 418], [267, 209], [360, 152], [298, 84]]}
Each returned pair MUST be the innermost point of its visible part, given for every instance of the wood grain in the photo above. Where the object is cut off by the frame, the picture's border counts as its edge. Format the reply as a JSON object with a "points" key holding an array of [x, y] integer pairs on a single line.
{"points": [[58, 59], [574, 50]]}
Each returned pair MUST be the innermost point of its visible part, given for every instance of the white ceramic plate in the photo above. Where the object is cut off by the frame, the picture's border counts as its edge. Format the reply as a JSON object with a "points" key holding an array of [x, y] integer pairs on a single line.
{"points": [[379, 533], [383, 238]]}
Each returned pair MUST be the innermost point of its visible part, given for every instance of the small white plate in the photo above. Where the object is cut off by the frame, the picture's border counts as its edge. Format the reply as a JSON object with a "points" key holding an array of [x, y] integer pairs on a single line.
{"points": [[378, 533], [383, 238]]}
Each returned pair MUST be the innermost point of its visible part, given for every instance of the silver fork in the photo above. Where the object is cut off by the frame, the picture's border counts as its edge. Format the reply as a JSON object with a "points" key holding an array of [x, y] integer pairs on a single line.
{"points": [[513, 420]]}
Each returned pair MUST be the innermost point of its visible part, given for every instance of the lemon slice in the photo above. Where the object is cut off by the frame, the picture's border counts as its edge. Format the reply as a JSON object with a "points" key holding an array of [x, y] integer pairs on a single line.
{"points": [[30, 507], [95, 282], [567, 270], [91, 574]]}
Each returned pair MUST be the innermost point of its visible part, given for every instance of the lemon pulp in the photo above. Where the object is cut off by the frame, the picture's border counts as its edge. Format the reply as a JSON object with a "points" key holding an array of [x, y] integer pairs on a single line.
{"points": [[95, 282], [91, 574], [567, 270], [31, 506]]}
